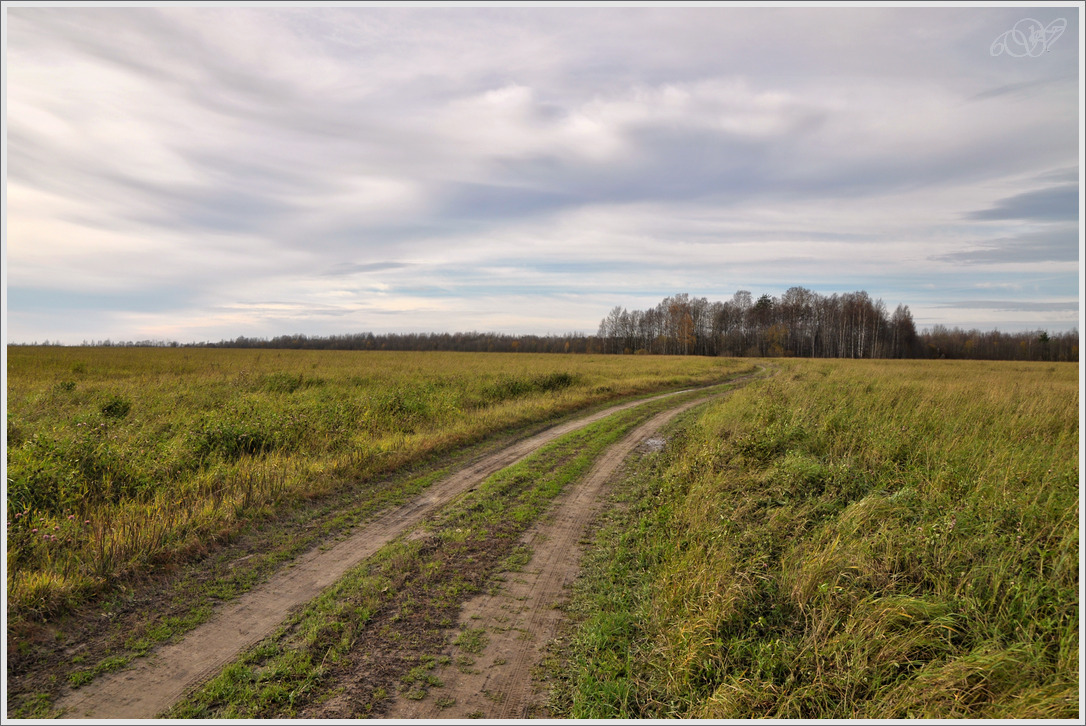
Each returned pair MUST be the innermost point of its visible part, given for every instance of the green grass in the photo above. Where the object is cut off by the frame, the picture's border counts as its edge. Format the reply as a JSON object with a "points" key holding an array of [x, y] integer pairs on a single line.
{"points": [[845, 540], [125, 461], [115, 663], [472, 640]]}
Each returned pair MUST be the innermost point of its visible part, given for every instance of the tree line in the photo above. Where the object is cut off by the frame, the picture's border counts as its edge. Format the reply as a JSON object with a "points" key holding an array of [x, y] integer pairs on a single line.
{"points": [[798, 323], [804, 323], [470, 342]]}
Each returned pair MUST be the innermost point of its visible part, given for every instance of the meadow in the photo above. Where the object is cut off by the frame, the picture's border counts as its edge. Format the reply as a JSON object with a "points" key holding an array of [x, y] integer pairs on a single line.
{"points": [[124, 461], [846, 539]]}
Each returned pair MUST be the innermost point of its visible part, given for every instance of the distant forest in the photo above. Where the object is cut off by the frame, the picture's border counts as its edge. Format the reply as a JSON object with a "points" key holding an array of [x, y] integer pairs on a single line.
{"points": [[805, 324], [799, 323]]}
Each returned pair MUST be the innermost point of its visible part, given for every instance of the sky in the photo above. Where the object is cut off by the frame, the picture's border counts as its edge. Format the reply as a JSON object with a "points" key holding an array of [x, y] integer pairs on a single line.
{"points": [[201, 173]]}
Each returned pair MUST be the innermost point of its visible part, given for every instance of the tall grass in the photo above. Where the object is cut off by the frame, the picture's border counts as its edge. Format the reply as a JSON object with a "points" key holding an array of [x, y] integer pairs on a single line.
{"points": [[847, 540], [121, 460]]}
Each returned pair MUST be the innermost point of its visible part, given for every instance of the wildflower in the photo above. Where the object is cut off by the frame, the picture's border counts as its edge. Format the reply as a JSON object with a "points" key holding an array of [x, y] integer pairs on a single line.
{"points": [[86, 521], [34, 531], [71, 516]]}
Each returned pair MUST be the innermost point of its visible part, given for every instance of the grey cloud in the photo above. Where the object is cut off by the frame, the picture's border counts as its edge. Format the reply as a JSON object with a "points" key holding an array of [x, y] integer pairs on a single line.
{"points": [[1067, 174], [285, 308], [1020, 88], [345, 238], [226, 210], [1006, 306], [271, 176], [217, 208], [1050, 246], [1053, 203], [350, 268], [150, 44], [495, 202], [666, 164]]}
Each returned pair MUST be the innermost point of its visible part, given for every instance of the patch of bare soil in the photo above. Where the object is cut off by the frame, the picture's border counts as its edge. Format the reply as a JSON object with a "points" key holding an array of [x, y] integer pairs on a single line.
{"points": [[152, 684], [503, 634]]}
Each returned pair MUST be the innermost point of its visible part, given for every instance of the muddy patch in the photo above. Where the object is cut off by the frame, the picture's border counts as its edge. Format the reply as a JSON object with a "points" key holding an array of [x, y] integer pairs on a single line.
{"points": [[652, 445]]}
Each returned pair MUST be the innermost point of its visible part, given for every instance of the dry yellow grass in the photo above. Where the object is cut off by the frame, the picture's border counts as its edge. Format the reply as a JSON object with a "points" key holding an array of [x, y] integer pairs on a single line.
{"points": [[875, 539]]}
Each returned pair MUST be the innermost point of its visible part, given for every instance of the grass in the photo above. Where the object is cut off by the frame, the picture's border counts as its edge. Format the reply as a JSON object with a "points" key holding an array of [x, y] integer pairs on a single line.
{"points": [[845, 540], [393, 611], [472, 640], [123, 462]]}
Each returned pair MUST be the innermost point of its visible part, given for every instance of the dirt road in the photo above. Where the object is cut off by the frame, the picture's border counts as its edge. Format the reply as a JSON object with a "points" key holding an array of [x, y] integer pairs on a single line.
{"points": [[154, 683], [495, 682]]}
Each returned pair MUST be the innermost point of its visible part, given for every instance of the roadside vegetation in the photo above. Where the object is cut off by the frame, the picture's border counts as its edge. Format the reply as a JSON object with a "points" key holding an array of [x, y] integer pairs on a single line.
{"points": [[846, 539], [126, 461]]}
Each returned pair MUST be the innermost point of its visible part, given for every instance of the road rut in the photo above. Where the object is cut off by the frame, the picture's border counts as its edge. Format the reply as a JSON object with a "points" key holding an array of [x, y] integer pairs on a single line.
{"points": [[153, 684], [521, 618]]}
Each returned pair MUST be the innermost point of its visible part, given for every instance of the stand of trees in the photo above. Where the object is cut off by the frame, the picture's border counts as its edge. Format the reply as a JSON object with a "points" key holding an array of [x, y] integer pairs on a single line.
{"points": [[803, 323], [943, 342]]}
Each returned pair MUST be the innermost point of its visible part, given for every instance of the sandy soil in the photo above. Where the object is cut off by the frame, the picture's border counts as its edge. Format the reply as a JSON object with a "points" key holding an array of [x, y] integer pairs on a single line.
{"points": [[152, 684]]}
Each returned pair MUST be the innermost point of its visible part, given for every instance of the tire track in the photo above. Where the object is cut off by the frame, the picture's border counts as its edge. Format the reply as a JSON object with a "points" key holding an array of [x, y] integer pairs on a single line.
{"points": [[519, 620], [153, 684]]}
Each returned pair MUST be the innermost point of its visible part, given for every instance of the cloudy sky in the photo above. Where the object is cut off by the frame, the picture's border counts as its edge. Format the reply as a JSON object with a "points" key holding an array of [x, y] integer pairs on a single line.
{"points": [[199, 173]]}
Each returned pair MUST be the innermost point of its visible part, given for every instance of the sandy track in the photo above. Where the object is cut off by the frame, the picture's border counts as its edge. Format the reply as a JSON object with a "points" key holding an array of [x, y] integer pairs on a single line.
{"points": [[521, 618], [153, 684]]}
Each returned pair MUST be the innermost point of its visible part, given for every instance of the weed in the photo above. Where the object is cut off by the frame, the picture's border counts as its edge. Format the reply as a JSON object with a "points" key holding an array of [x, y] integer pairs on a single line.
{"points": [[472, 640], [520, 557], [35, 705], [108, 665]]}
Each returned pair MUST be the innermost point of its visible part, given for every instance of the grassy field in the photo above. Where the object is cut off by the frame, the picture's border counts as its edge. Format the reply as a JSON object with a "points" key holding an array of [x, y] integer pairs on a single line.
{"points": [[847, 539], [122, 461]]}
